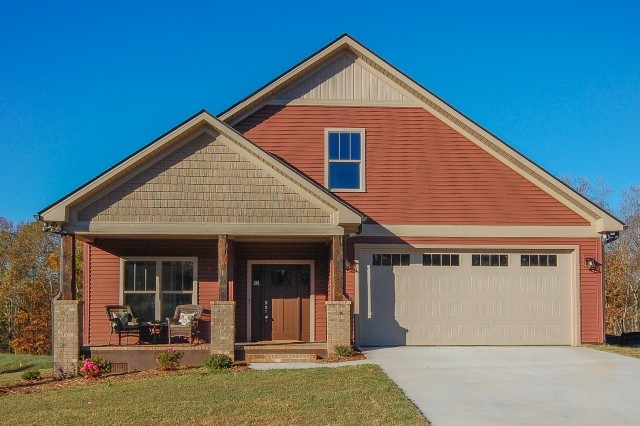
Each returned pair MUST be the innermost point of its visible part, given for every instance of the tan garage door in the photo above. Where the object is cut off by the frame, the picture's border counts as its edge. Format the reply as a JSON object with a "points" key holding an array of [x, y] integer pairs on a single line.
{"points": [[464, 298]]}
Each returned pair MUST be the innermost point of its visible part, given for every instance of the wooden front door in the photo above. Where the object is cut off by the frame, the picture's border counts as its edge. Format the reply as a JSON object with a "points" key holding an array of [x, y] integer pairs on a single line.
{"points": [[281, 302]]}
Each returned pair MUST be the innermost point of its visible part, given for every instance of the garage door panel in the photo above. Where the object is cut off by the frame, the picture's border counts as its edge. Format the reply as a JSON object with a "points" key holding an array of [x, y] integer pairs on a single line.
{"points": [[465, 305]]}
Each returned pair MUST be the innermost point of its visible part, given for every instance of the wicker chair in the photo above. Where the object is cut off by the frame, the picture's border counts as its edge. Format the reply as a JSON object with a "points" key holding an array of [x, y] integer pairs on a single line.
{"points": [[123, 322], [185, 322]]}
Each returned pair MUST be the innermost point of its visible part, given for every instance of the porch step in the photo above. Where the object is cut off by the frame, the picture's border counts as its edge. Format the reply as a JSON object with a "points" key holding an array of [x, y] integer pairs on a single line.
{"points": [[265, 352], [280, 357]]}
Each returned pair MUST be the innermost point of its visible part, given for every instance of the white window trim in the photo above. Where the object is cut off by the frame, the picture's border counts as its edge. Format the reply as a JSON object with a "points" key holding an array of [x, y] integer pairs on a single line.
{"points": [[159, 260], [362, 132]]}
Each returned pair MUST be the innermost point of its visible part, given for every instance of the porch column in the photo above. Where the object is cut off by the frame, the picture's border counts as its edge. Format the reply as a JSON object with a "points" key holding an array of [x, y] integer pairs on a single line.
{"points": [[223, 328], [67, 337], [338, 324], [337, 268], [223, 267], [68, 267]]}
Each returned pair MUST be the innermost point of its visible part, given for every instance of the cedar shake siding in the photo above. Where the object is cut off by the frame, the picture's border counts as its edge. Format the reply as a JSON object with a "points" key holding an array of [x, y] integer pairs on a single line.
{"points": [[418, 169], [203, 181], [591, 292]]}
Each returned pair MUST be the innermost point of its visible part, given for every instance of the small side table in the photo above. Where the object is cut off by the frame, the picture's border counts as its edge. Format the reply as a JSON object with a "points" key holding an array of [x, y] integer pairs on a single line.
{"points": [[155, 330]]}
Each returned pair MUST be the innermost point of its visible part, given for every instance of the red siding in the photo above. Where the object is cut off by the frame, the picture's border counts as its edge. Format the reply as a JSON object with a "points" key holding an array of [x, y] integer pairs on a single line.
{"points": [[318, 252], [418, 170], [591, 289], [102, 277]]}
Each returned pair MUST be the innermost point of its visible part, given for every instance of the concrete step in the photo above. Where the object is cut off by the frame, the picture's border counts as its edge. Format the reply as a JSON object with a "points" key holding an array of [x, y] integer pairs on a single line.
{"points": [[280, 357]]}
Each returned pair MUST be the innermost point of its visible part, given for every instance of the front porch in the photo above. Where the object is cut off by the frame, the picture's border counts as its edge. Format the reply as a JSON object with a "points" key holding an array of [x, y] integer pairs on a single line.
{"points": [[127, 358]]}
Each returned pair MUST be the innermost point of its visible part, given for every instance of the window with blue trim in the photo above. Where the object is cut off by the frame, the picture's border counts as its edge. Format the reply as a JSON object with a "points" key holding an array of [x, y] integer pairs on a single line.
{"points": [[345, 165]]}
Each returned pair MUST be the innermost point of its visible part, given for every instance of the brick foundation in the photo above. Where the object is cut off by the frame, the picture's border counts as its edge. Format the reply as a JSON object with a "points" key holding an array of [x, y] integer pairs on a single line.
{"points": [[67, 335], [338, 324], [223, 328]]}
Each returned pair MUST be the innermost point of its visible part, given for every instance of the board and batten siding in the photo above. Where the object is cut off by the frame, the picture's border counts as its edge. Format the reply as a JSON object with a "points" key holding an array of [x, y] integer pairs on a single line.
{"points": [[418, 169], [203, 181], [318, 252], [102, 277], [591, 292]]}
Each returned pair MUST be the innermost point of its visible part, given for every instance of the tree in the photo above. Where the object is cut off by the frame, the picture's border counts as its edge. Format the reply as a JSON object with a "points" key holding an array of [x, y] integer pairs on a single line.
{"points": [[597, 191], [621, 258], [29, 280], [623, 269]]}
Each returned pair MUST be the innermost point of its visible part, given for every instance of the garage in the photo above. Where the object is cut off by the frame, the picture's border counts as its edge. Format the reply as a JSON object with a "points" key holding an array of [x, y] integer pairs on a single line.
{"points": [[479, 297]]}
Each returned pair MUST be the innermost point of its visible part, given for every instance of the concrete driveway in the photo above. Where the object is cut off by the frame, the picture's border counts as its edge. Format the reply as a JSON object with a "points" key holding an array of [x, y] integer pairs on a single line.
{"points": [[515, 385]]}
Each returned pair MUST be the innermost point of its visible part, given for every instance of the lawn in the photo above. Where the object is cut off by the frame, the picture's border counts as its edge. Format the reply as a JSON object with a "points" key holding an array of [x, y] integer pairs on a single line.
{"points": [[12, 366], [347, 395], [620, 350]]}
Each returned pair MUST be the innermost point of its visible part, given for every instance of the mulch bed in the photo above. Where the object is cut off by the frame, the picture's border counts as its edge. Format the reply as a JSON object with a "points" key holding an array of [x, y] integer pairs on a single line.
{"points": [[48, 384], [357, 355], [24, 387]]}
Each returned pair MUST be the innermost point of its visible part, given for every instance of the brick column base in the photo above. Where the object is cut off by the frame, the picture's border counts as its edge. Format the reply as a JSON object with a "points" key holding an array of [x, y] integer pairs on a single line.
{"points": [[338, 324], [67, 337], [223, 328]]}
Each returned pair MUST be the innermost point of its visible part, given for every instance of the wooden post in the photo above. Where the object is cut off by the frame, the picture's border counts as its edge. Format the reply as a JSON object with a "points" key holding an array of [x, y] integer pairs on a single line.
{"points": [[68, 267], [223, 267], [337, 260]]}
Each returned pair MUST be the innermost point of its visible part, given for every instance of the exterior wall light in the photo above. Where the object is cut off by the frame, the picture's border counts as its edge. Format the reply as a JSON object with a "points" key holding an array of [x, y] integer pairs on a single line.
{"points": [[591, 263]]}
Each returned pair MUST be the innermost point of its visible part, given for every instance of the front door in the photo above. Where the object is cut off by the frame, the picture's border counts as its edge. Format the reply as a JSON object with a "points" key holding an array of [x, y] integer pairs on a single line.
{"points": [[280, 308]]}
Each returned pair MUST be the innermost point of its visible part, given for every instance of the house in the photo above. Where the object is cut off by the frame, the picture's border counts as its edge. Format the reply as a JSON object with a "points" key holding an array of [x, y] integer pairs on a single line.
{"points": [[341, 202]]}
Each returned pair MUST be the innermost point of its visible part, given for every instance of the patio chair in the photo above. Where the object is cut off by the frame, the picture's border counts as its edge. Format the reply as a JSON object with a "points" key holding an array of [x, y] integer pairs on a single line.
{"points": [[123, 322], [185, 322]]}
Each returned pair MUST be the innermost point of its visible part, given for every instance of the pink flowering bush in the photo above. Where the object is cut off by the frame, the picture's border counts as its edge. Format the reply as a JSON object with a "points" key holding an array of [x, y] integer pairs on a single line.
{"points": [[169, 359], [93, 367]]}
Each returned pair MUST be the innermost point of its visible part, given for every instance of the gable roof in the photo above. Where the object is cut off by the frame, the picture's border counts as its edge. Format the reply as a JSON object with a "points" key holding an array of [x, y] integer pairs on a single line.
{"points": [[280, 91], [76, 209]]}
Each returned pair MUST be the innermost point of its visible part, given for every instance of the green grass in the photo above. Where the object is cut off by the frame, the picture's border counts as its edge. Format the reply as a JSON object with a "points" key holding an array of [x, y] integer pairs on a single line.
{"points": [[620, 350], [12, 366], [351, 395]]}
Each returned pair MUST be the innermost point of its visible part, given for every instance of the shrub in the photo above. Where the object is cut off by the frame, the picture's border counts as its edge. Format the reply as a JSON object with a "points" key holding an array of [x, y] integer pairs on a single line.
{"points": [[217, 362], [93, 367], [169, 359], [31, 375], [343, 350]]}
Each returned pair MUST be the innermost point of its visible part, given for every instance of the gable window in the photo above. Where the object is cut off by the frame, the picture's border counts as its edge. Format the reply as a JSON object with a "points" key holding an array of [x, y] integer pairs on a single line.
{"points": [[154, 287], [344, 153]]}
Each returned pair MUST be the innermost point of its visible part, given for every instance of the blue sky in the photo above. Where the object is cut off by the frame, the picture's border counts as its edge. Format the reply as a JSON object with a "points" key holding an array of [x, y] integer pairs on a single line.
{"points": [[85, 84]]}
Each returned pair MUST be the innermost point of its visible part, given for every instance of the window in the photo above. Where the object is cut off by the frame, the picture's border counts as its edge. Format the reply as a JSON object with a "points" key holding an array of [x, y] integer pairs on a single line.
{"points": [[345, 159], [538, 260], [489, 260], [444, 259], [391, 259], [153, 288]]}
